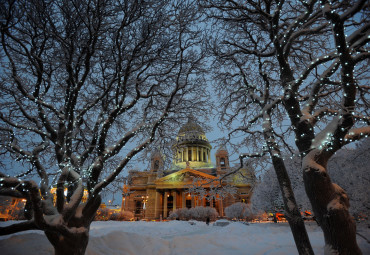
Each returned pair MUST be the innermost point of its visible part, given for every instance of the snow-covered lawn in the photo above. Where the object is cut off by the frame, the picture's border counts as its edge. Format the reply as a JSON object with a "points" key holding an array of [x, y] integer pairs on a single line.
{"points": [[178, 237]]}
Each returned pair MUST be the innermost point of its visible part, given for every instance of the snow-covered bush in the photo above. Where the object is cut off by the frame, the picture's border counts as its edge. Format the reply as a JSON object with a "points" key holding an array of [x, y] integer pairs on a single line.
{"points": [[181, 214], [202, 213], [173, 215], [126, 215], [239, 211], [197, 213]]}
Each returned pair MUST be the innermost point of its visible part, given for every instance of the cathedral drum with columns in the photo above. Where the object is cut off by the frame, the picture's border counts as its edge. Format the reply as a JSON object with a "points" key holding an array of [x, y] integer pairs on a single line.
{"points": [[153, 194]]}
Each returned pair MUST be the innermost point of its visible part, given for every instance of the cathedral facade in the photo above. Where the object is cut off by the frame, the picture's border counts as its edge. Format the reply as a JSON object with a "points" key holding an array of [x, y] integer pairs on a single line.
{"points": [[154, 193]]}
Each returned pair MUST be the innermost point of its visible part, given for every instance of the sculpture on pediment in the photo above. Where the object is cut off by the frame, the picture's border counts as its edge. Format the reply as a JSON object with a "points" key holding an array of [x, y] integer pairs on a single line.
{"points": [[183, 177], [175, 178]]}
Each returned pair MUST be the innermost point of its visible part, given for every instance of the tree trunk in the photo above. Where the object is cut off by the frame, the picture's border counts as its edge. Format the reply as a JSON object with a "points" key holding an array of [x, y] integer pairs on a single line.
{"points": [[330, 205], [71, 245], [292, 212], [63, 245]]}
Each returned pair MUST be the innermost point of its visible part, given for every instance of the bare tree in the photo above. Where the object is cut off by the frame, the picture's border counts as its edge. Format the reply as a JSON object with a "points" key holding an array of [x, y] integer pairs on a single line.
{"points": [[292, 62], [348, 167], [266, 195], [86, 86]]}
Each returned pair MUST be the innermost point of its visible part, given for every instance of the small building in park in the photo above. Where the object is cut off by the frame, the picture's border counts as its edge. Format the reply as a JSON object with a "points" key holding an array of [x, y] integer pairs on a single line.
{"points": [[154, 193]]}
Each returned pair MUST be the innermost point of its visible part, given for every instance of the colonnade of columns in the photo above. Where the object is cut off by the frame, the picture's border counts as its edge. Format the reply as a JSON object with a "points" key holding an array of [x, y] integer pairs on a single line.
{"points": [[194, 153], [179, 198]]}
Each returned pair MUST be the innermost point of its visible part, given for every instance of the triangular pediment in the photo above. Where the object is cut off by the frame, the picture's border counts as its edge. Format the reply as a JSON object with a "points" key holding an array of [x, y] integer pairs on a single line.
{"points": [[186, 175]]}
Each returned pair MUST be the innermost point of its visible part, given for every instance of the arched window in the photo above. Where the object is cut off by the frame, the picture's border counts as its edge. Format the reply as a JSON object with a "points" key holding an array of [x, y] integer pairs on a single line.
{"points": [[208, 203], [156, 165], [222, 162], [169, 203], [138, 207]]}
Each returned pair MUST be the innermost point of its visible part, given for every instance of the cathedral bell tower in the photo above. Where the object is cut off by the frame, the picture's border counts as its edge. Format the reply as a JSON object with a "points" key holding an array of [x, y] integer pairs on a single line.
{"points": [[156, 162], [222, 161]]}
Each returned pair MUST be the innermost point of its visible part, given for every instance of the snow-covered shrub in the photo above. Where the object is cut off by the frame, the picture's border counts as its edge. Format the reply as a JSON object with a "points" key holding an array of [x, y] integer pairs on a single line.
{"points": [[197, 213], [122, 216], [239, 211], [173, 215], [183, 213], [212, 213], [202, 213], [248, 213]]}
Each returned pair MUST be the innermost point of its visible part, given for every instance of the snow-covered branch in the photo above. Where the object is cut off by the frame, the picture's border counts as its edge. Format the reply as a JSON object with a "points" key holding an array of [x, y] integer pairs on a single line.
{"points": [[356, 134], [18, 227]]}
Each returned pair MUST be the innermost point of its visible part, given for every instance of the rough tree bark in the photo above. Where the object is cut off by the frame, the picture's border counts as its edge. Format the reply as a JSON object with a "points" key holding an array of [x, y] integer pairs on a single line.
{"points": [[330, 205], [76, 242], [74, 245], [329, 201], [292, 212]]}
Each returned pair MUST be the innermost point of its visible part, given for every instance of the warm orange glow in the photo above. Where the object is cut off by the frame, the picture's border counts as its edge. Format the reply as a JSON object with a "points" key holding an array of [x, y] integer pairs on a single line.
{"points": [[125, 189], [12, 208], [280, 216], [54, 192]]}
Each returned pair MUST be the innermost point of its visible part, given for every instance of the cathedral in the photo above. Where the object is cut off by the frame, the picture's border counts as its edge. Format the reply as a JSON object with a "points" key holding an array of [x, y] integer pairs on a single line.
{"points": [[154, 193]]}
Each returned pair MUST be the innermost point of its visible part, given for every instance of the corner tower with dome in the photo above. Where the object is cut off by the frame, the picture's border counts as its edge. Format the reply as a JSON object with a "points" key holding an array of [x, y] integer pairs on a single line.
{"points": [[154, 193]]}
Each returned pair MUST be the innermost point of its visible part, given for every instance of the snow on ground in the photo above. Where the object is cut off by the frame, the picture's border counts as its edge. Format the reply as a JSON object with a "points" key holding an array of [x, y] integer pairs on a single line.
{"points": [[177, 238]]}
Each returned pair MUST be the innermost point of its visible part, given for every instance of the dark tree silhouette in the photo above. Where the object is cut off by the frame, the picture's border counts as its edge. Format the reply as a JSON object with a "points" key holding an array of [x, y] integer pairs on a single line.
{"points": [[302, 63], [86, 86]]}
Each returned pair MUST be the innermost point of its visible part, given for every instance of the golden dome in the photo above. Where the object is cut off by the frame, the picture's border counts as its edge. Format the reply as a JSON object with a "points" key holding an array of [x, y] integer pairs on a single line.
{"points": [[192, 133], [192, 146], [191, 127]]}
